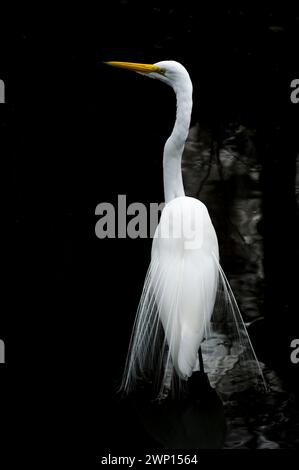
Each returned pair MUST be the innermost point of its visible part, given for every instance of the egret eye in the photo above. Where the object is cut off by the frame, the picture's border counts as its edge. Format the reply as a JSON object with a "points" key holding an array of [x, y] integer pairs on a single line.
{"points": [[162, 71]]}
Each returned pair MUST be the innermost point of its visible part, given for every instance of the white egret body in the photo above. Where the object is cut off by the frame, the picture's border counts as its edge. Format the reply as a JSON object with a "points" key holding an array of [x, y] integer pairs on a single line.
{"points": [[185, 260], [184, 276]]}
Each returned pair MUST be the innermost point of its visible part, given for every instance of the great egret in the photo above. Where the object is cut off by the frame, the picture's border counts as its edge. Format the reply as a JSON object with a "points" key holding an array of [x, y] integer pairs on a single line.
{"points": [[185, 283]]}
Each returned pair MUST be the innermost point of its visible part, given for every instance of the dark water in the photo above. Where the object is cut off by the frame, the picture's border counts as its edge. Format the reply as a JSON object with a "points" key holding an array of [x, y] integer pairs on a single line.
{"points": [[226, 177], [262, 421]]}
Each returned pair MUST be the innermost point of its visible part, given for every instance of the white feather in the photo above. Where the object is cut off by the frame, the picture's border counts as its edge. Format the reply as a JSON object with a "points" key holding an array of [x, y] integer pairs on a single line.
{"points": [[177, 312]]}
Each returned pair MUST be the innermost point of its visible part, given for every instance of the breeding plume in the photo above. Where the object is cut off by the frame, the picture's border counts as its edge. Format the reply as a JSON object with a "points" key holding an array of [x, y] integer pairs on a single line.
{"points": [[186, 300]]}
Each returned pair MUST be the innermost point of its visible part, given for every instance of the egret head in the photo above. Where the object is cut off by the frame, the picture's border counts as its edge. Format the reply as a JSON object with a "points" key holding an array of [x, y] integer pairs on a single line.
{"points": [[167, 71]]}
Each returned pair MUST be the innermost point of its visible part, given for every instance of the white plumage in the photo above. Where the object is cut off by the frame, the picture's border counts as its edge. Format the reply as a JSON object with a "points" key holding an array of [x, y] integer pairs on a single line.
{"points": [[177, 309], [190, 275]]}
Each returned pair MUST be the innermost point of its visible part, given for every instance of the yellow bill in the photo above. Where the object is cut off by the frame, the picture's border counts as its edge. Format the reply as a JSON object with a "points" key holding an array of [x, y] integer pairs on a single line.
{"points": [[143, 68]]}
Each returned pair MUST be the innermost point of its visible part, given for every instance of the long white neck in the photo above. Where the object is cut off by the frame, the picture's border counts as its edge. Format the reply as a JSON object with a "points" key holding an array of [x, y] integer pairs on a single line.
{"points": [[174, 147]]}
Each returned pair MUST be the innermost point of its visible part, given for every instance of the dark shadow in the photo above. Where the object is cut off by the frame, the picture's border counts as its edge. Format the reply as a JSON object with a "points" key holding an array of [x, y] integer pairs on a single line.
{"points": [[195, 421]]}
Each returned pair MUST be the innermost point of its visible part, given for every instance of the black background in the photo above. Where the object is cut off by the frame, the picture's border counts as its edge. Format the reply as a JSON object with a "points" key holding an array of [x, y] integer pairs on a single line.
{"points": [[79, 133]]}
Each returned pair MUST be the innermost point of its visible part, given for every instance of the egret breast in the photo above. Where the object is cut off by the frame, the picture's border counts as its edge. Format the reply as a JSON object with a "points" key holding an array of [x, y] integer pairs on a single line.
{"points": [[184, 247]]}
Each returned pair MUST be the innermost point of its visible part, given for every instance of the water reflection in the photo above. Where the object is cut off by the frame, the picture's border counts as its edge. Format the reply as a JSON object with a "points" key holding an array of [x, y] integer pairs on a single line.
{"points": [[262, 421], [225, 175], [226, 178]]}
